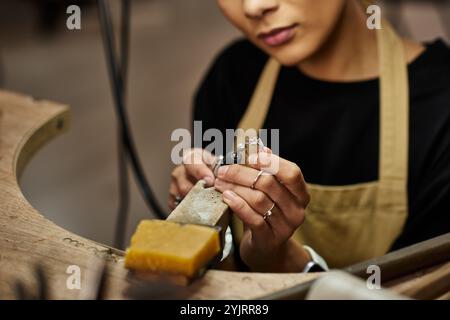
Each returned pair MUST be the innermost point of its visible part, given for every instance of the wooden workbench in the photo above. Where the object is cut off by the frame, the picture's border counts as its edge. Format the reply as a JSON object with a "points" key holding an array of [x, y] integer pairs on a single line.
{"points": [[27, 238]]}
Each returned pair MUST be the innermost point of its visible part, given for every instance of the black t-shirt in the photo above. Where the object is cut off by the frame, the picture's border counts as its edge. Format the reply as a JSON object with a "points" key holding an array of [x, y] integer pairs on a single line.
{"points": [[331, 129]]}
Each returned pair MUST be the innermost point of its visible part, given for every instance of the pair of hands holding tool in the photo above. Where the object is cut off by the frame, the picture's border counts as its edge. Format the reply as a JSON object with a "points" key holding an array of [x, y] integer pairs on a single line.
{"points": [[270, 197]]}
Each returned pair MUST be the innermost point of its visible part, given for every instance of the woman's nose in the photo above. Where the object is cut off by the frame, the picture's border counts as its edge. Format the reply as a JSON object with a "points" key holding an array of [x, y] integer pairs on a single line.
{"points": [[255, 9]]}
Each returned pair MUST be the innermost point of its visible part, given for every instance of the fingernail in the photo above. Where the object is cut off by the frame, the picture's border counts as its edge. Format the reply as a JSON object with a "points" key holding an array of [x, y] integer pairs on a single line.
{"points": [[229, 195], [218, 183], [209, 181], [253, 159], [264, 159], [222, 171]]}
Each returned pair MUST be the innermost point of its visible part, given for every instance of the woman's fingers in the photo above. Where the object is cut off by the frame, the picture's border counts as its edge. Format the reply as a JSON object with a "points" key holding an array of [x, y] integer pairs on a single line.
{"points": [[258, 200], [238, 174], [198, 164], [267, 183], [181, 181], [257, 203], [262, 203], [249, 217], [287, 172]]}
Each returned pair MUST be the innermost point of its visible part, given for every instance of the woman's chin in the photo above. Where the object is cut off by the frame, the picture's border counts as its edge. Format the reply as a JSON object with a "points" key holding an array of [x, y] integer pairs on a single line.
{"points": [[291, 55], [288, 60]]}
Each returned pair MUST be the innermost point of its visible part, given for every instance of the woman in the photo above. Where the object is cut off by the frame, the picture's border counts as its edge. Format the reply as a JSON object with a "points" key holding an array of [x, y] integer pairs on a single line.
{"points": [[364, 120]]}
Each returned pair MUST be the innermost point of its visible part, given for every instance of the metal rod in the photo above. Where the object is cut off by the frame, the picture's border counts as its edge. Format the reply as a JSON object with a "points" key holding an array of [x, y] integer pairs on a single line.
{"points": [[393, 265]]}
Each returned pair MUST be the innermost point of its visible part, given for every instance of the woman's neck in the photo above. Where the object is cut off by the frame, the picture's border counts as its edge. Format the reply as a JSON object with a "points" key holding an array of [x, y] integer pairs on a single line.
{"points": [[350, 54]]}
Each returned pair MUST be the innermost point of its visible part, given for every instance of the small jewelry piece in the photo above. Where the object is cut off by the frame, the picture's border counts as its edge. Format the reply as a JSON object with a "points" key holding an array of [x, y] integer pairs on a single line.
{"points": [[257, 178], [256, 141], [177, 200], [269, 212], [217, 164]]}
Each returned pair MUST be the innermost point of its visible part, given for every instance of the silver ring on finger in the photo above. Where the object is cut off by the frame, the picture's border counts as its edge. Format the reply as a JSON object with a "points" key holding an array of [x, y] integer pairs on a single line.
{"points": [[218, 162], [257, 178], [269, 212]]}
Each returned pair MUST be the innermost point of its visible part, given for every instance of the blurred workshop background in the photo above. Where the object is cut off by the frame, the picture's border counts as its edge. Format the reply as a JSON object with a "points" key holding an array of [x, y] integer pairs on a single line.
{"points": [[73, 180]]}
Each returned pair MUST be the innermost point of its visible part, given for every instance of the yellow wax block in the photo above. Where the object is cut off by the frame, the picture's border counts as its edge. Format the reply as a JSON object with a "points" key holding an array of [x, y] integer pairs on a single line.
{"points": [[165, 246]]}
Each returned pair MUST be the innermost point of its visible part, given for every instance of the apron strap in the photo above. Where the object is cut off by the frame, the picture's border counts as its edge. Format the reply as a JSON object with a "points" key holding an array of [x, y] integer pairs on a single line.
{"points": [[394, 108], [257, 110]]}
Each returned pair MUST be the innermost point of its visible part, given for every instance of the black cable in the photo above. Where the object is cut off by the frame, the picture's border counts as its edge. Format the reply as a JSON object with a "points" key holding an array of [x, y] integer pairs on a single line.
{"points": [[117, 85], [123, 179]]}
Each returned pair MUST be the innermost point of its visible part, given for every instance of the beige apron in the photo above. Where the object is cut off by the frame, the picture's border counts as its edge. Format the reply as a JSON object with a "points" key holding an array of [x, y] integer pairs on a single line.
{"points": [[348, 224]]}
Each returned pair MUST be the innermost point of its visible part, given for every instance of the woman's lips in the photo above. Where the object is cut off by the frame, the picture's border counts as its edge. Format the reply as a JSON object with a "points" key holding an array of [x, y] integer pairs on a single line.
{"points": [[278, 36]]}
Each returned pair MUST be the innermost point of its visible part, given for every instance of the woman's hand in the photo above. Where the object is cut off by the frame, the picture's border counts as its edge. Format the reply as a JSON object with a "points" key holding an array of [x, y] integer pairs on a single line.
{"points": [[196, 165], [266, 244]]}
